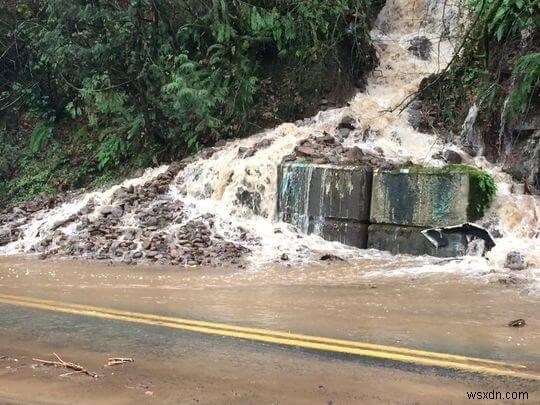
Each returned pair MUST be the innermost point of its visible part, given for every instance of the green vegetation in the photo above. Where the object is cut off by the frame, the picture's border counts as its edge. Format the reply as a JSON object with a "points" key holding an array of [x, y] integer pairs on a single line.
{"points": [[499, 64], [482, 185], [90, 90]]}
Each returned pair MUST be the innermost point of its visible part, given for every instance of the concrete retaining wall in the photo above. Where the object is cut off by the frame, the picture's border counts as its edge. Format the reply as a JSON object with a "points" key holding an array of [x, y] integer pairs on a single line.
{"points": [[420, 199], [330, 201], [403, 204], [409, 240], [338, 203]]}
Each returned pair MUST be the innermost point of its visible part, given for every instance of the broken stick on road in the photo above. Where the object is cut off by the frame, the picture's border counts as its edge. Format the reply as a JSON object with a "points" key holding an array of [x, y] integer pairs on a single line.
{"points": [[72, 366], [114, 361]]}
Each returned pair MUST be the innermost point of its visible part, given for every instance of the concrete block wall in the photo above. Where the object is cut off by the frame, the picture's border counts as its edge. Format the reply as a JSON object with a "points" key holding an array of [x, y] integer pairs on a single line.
{"points": [[385, 210], [403, 204], [330, 201], [419, 199]]}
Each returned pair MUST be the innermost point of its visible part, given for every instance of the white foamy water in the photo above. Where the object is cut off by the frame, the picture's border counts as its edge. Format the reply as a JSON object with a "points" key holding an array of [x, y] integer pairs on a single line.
{"points": [[239, 189], [42, 223]]}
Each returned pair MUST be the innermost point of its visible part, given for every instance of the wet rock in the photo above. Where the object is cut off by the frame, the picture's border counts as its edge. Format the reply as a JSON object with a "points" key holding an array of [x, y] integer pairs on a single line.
{"points": [[451, 156], [244, 152], [344, 132], [207, 153], [5, 237], [347, 122], [327, 139], [107, 209], [262, 144], [307, 151], [515, 261], [63, 222], [518, 323], [151, 221], [420, 47], [117, 212], [146, 244], [510, 281], [354, 155], [289, 158], [416, 118], [331, 258]]}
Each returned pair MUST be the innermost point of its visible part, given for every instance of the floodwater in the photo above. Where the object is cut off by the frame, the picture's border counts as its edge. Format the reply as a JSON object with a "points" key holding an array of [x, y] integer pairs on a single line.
{"points": [[439, 312]]}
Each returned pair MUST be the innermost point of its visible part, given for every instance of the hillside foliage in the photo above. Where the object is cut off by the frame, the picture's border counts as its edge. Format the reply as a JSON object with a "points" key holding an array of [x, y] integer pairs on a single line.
{"points": [[497, 68], [90, 89]]}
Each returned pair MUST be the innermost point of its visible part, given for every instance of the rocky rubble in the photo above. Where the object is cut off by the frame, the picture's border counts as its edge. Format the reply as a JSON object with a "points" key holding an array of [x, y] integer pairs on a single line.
{"points": [[13, 220], [140, 223], [515, 261], [327, 149]]}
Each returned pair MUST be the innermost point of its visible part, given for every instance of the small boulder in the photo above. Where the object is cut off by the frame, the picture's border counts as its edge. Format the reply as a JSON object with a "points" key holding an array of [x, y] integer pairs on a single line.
{"points": [[348, 121], [307, 151], [354, 154], [420, 47], [244, 152], [284, 257], [327, 139], [331, 258], [344, 132], [117, 212], [5, 237], [451, 156], [106, 210], [515, 261]]}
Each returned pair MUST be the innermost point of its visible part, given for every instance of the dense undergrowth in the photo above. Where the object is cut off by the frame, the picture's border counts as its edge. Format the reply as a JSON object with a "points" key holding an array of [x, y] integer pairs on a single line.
{"points": [[498, 69], [90, 90]]}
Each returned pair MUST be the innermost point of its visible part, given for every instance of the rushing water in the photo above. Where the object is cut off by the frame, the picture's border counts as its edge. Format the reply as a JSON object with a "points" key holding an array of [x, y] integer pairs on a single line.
{"points": [[219, 184]]}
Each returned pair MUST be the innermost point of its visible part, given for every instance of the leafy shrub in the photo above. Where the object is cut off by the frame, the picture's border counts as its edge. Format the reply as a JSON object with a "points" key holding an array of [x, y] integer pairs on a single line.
{"points": [[154, 80], [526, 76]]}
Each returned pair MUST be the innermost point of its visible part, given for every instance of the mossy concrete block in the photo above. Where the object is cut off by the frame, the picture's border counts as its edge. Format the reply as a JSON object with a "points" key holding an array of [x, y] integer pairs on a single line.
{"points": [[347, 232], [324, 191], [409, 240], [420, 199], [330, 201]]}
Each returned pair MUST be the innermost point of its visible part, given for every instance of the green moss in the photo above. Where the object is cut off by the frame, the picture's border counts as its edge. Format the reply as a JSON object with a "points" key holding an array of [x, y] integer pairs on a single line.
{"points": [[482, 184]]}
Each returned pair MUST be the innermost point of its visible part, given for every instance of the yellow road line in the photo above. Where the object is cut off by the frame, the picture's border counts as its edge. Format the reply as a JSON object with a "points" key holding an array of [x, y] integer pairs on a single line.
{"points": [[267, 332], [419, 357]]}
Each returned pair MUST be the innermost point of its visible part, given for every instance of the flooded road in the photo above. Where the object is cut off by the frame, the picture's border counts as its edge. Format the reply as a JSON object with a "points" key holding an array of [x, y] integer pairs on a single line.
{"points": [[445, 313]]}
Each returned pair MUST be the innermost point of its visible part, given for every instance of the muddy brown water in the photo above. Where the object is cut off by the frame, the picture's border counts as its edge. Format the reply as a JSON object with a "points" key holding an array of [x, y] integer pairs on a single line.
{"points": [[441, 312]]}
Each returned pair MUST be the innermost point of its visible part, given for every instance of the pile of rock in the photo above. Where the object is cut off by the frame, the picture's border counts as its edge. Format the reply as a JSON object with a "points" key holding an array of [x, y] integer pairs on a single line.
{"points": [[327, 150], [138, 224], [13, 220]]}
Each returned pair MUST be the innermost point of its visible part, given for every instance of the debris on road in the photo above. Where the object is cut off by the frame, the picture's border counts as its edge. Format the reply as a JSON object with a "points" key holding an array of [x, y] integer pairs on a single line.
{"points": [[438, 237], [114, 361], [518, 323], [78, 369], [330, 257]]}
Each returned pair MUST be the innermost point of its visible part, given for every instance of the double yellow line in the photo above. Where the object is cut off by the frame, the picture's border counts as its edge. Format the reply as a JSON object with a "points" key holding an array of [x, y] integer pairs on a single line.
{"points": [[400, 354]]}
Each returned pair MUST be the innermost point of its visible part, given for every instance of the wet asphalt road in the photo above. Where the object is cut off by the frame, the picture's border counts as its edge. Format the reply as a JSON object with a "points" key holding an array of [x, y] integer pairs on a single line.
{"points": [[179, 366]]}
